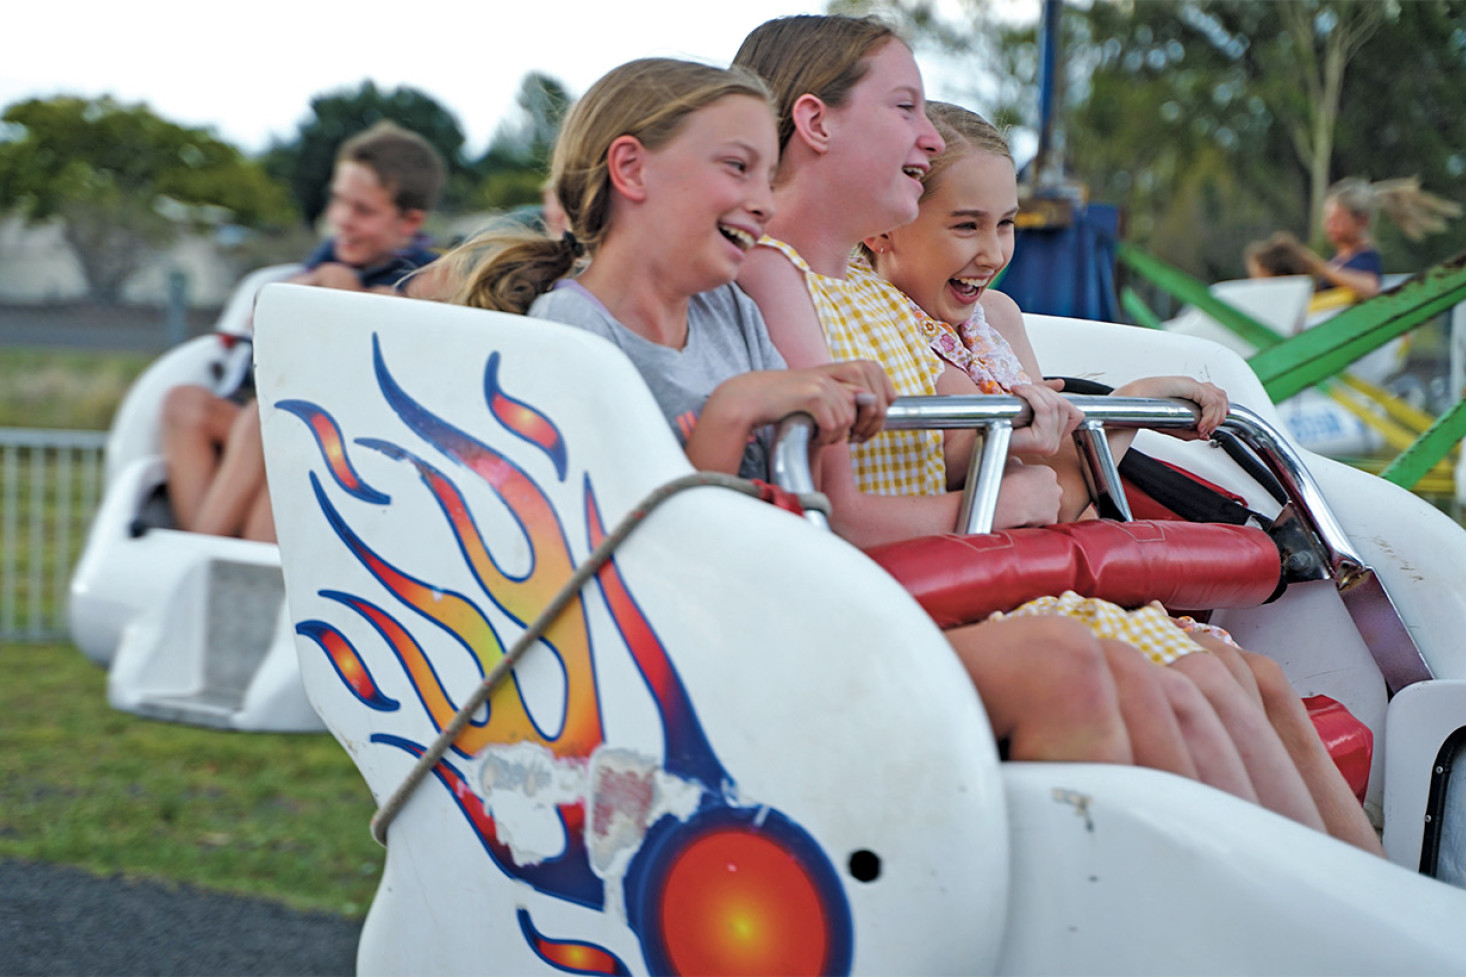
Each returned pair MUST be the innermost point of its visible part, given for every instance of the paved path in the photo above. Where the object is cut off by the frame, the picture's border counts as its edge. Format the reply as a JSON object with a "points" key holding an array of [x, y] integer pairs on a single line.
{"points": [[86, 326], [57, 920]]}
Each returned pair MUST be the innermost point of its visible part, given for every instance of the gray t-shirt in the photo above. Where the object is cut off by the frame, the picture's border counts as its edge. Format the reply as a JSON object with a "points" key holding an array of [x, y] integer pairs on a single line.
{"points": [[726, 336]]}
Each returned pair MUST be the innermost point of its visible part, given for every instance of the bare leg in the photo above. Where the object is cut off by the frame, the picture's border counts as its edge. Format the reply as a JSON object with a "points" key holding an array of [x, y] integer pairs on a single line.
{"points": [[195, 426], [1342, 815], [239, 480], [1155, 733], [1046, 687], [260, 524], [1278, 783]]}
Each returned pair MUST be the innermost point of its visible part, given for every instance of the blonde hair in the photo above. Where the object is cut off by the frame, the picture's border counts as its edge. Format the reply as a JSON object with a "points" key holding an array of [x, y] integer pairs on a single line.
{"points": [[649, 99], [407, 166], [965, 133], [820, 55], [1416, 212]]}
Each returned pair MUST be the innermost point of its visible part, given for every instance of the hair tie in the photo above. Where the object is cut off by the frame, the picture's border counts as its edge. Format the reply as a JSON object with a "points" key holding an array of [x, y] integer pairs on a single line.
{"points": [[568, 241]]}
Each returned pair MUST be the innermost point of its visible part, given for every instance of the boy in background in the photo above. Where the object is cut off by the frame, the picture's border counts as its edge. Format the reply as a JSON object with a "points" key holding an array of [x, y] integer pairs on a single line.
{"points": [[386, 181]]}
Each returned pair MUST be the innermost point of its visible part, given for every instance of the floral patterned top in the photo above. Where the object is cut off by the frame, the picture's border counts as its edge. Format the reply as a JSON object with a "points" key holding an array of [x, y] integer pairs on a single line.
{"points": [[976, 349]]}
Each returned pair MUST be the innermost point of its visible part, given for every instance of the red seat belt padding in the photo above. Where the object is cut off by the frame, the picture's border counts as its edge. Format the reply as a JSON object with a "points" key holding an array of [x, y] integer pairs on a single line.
{"points": [[963, 579], [1349, 741], [782, 498]]}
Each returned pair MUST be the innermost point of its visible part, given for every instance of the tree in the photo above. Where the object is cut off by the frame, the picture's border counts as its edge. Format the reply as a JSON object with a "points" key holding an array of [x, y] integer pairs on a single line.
{"points": [[1227, 116], [1400, 116], [124, 181], [513, 169], [1326, 37], [306, 164]]}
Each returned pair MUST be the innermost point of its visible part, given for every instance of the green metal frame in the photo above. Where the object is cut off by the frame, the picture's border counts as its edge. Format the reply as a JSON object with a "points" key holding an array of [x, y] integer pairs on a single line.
{"points": [[1288, 365]]}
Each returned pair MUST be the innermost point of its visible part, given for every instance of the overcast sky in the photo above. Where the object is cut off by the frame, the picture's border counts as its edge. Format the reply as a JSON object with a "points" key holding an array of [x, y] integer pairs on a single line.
{"points": [[249, 69]]}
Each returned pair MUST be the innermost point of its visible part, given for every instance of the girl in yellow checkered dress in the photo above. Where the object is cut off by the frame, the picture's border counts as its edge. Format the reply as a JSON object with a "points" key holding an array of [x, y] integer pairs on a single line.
{"points": [[855, 144]]}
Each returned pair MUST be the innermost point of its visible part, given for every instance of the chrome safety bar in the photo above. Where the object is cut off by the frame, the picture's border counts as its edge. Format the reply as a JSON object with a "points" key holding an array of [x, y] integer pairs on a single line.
{"points": [[995, 417], [1313, 542], [998, 416]]}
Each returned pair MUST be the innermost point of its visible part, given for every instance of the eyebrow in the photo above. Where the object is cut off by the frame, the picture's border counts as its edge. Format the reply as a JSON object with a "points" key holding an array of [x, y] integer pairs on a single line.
{"points": [[979, 212]]}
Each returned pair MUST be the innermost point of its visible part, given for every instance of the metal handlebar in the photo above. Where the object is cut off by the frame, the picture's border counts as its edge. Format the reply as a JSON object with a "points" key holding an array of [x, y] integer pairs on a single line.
{"points": [[1310, 538], [997, 416]]}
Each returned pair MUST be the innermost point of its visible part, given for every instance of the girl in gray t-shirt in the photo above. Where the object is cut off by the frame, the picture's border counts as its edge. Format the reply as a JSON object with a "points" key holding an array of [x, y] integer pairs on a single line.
{"points": [[663, 169]]}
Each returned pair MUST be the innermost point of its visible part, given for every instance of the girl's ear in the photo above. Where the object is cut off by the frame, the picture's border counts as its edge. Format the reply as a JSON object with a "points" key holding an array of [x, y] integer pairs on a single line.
{"points": [[880, 243], [811, 115], [625, 165]]}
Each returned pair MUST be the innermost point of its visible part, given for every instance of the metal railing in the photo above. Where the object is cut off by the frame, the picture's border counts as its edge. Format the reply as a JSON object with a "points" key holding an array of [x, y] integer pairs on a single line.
{"points": [[50, 483]]}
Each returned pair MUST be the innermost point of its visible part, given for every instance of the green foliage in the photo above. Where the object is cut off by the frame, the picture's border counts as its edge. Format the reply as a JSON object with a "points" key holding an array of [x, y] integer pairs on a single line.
{"points": [[125, 180], [506, 186], [512, 172], [306, 164], [529, 138], [1205, 119], [1401, 116], [260, 814]]}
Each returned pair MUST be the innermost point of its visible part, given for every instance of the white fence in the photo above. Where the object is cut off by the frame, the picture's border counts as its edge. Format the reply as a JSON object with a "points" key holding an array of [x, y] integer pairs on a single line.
{"points": [[50, 483]]}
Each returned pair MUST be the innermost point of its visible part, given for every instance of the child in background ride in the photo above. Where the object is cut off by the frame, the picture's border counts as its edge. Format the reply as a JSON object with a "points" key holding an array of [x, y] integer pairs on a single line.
{"points": [[944, 262], [385, 182], [663, 168], [855, 144]]}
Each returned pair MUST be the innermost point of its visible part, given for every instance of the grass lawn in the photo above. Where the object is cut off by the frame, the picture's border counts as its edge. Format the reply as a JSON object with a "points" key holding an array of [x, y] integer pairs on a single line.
{"points": [[279, 816], [271, 815], [64, 388]]}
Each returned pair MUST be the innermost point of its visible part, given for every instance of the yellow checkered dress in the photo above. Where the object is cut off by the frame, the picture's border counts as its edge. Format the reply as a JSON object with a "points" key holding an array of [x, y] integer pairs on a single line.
{"points": [[866, 318], [1148, 628]]}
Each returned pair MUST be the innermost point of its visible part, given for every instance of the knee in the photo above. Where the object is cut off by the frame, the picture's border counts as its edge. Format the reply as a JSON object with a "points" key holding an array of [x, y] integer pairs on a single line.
{"points": [[1077, 664], [186, 406], [1272, 683], [1185, 697]]}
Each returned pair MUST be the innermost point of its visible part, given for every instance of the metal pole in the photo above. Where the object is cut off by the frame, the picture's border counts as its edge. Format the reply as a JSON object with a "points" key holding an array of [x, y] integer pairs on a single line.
{"points": [[177, 307], [1047, 91]]}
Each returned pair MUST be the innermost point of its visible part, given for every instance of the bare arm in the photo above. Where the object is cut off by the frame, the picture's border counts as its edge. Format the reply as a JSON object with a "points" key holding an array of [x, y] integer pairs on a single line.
{"points": [[1004, 316], [1364, 284], [846, 400], [1209, 397], [864, 519]]}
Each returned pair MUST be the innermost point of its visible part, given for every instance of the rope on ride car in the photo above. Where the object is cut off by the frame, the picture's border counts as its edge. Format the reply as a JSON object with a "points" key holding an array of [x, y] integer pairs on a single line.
{"points": [[592, 565]]}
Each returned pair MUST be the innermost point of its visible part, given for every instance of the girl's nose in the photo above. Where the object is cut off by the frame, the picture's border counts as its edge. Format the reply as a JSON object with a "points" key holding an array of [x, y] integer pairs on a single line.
{"points": [[930, 141], [761, 204]]}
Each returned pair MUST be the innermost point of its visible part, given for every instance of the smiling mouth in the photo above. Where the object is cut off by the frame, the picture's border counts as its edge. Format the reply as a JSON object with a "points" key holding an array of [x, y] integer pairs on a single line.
{"points": [[738, 236], [915, 172], [967, 288]]}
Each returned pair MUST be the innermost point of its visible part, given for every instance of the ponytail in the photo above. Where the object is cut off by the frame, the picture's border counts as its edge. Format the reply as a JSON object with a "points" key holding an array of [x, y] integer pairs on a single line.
{"points": [[507, 270], [1415, 211]]}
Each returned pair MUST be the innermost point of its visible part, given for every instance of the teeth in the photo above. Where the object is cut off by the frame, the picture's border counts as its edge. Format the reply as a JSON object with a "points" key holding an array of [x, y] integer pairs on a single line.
{"points": [[915, 172], [971, 282], [738, 236]]}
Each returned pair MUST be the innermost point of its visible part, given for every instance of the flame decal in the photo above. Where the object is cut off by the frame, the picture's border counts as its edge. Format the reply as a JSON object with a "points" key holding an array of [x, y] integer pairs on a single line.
{"points": [[552, 563], [509, 720], [349, 666], [523, 420], [688, 752], [569, 955], [708, 883], [333, 450]]}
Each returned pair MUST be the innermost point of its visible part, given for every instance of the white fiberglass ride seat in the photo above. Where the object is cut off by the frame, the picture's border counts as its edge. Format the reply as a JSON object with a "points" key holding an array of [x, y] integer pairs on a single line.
{"points": [[1316, 420], [1415, 549], [742, 747], [191, 627]]}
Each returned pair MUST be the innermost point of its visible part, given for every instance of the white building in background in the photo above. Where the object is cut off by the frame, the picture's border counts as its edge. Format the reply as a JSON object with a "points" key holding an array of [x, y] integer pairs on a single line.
{"points": [[37, 266]]}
